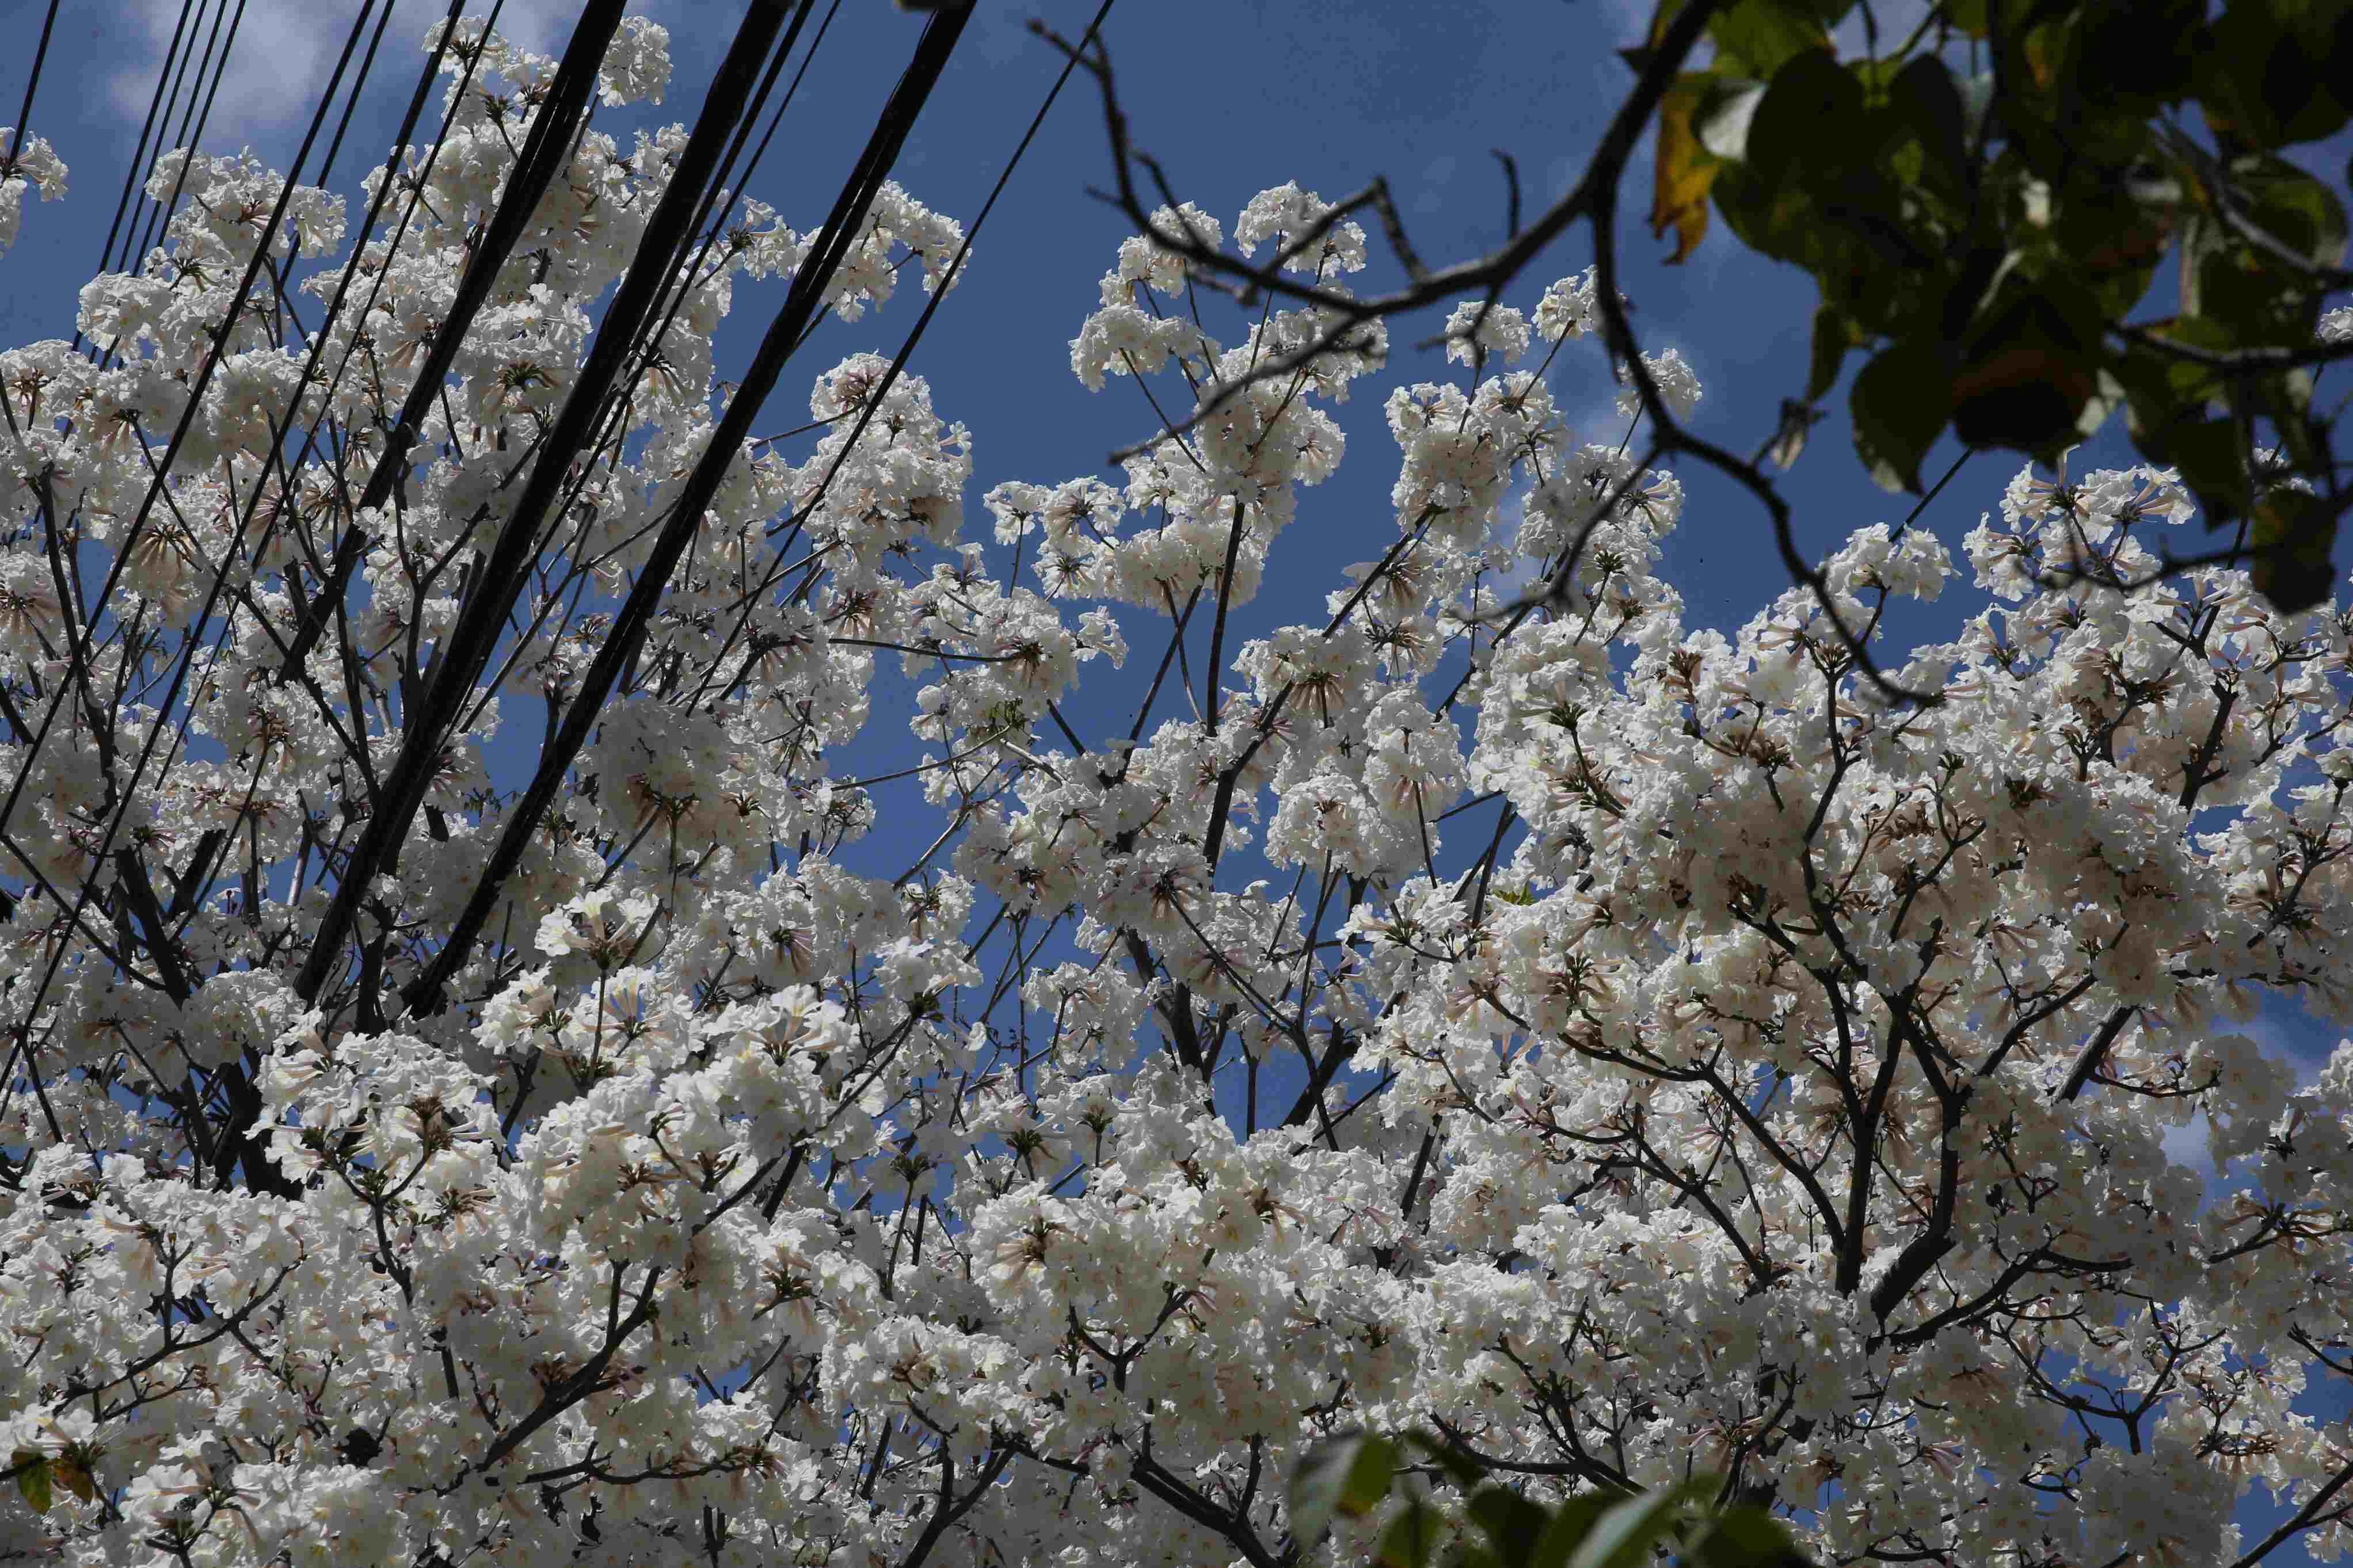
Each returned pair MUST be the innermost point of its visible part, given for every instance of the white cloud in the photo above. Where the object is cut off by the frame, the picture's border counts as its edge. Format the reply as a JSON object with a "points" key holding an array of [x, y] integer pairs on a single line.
{"points": [[2186, 1146], [283, 54]]}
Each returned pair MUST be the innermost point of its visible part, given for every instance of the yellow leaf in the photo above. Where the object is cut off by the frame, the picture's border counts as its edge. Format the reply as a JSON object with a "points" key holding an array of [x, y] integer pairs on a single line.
{"points": [[1686, 168], [71, 1471]]}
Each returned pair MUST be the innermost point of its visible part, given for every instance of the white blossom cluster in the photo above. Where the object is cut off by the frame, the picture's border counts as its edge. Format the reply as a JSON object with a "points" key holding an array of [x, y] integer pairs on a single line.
{"points": [[1617, 1047], [30, 163]]}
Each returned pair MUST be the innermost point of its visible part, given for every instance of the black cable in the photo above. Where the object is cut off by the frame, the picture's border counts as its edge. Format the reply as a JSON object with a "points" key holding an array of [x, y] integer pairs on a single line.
{"points": [[735, 196], [402, 143], [147, 235], [191, 140], [647, 346], [130, 180], [351, 104], [78, 646], [25, 113], [317, 347], [620, 397], [319, 339], [544, 151], [134, 182], [801, 304], [931, 307], [326, 168], [257, 1170], [195, 140], [688, 274], [467, 646]]}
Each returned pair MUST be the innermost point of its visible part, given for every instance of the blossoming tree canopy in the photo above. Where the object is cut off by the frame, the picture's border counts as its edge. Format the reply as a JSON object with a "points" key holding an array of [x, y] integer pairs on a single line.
{"points": [[1488, 1007]]}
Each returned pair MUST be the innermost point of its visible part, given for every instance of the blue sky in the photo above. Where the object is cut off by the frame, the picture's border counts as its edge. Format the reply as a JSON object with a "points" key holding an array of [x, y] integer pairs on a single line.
{"points": [[1233, 96]]}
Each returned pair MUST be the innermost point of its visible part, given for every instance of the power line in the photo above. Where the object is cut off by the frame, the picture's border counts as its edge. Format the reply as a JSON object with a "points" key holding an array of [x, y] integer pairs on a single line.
{"points": [[131, 182], [784, 334], [81, 647], [25, 113], [163, 212], [914, 335]]}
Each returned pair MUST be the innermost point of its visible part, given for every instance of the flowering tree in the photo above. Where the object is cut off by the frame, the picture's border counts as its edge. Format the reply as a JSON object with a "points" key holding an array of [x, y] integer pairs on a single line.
{"points": [[1489, 1009]]}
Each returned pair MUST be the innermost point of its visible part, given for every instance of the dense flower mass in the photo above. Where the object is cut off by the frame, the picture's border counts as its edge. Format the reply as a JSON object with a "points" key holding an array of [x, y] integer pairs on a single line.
{"points": [[1489, 1007]]}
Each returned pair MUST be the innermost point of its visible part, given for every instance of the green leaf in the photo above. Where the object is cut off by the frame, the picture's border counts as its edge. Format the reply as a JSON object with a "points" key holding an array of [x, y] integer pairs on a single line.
{"points": [[1901, 402], [1744, 1538], [1809, 128], [1513, 1522], [2254, 299], [1622, 1537], [2166, 388], [1572, 1522], [1411, 1537], [1832, 337], [2293, 537], [1967, 15], [2115, 243], [2212, 457], [2293, 207], [1347, 1475], [1797, 421], [1772, 217], [32, 1478], [1638, 58], [2145, 54], [1467, 1472], [1761, 36], [2027, 378], [1979, 277], [1662, 19], [2298, 90], [2264, 82], [1928, 105]]}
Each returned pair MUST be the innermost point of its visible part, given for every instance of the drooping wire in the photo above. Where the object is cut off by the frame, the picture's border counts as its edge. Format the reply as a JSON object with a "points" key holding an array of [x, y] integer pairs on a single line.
{"points": [[317, 347], [192, 892], [547, 149], [156, 105], [468, 646], [189, 138], [612, 419], [80, 646], [82, 649], [351, 103], [161, 212], [842, 225], [194, 139], [25, 113], [134, 182], [914, 336], [426, 992], [335, 305], [230, 1078], [736, 195]]}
